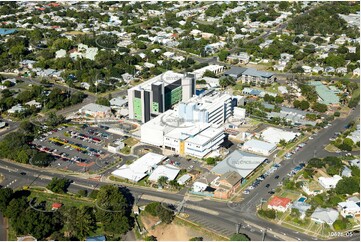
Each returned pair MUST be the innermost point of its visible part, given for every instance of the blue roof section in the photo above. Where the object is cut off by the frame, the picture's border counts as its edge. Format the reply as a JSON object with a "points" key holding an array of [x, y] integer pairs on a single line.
{"points": [[255, 92], [257, 73], [235, 71], [7, 31], [96, 238]]}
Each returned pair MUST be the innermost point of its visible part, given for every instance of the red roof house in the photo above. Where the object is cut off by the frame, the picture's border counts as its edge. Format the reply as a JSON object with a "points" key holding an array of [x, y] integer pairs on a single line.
{"points": [[53, 4], [56, 206], [279, 203]]}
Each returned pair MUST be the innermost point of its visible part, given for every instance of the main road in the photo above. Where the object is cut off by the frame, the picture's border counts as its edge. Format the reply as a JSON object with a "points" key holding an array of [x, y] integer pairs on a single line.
{"points": [[221, 217]]}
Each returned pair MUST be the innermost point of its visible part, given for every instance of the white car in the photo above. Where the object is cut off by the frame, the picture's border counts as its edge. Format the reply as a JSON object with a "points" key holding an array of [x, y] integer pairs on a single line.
{"points": [[245, 192]]}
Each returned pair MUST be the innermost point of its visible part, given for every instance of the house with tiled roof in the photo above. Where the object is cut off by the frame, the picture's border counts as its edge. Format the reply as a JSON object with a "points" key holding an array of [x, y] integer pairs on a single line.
{"points": [[280, 204], [56, 206]]}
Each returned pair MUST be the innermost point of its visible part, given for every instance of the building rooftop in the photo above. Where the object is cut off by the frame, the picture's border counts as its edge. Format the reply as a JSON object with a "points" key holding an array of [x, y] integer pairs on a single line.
{"points": [[139, 168], [327, 215], [253, 143], [93, 107], [231, 177], [274, 135], [257, 73], [168, 171], [328, 96], [167, 78], [235, 71], [241, 162], [279, 201]]}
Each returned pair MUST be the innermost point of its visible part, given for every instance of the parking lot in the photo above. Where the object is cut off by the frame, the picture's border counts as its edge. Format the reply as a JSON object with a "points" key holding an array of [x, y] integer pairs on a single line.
{"points": [[183, 163], [77, 148]]}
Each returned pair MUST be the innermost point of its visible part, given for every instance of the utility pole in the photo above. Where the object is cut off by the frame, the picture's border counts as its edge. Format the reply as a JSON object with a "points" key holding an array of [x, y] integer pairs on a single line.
{"points": [[238, 225], [264, 234]]}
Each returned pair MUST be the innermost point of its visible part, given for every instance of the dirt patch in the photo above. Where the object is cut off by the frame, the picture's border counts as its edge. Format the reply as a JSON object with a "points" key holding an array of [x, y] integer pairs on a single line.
{"points": [[169, 232]]}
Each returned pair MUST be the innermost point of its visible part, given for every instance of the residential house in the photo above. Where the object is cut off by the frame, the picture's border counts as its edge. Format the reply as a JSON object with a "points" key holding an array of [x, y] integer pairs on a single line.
{"points": [[241, 58], [346, 172], [329, 182], [302, 207], [355, 135], [280, 204], [34, 104], [27, 64], [349, 209], [282, 89], [325, 215], [317, 69], [354, 162], [168, 54], [307, 69], [351, 49], [356, 72], [213, 48], [60, 53], [309, 190], [16, 109], [341, 70], [85, 85], [265, 44]]}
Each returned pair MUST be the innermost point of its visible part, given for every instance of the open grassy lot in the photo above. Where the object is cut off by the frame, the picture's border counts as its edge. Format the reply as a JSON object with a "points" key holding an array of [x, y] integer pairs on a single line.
{"points": [[131, 142]]}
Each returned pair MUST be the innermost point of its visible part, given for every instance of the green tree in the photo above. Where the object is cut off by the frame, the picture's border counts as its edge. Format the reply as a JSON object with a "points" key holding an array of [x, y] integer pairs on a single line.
{"points": [[103, 101], [348, 141], [209, 73], [283, 5], [58, 185], [226, 81], [239, 237], [79, 222], [222, 55], [316, 162], [196, 239], [162, 180], [340, 224], [319, 107], [165, 214], [211, 161], [150, 238], [113, 210], [269, 213], [151, 208], [304, 105], [6, 194], [348, 185]]}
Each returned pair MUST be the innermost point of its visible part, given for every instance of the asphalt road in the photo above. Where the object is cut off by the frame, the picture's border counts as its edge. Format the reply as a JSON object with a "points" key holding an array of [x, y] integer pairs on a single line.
{"points": [[227, 216], [10, 128]]}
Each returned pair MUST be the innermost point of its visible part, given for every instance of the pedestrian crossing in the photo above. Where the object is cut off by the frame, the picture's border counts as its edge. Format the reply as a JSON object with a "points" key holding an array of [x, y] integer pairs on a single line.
{"points": [[217, 228]]}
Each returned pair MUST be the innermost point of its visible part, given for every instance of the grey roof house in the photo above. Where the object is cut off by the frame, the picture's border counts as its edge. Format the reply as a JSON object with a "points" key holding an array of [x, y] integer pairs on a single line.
{"points": [[325, 215]]}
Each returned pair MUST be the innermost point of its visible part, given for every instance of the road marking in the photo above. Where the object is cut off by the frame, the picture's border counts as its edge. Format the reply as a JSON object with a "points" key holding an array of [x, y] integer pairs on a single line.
{"points": [[252, 198]]}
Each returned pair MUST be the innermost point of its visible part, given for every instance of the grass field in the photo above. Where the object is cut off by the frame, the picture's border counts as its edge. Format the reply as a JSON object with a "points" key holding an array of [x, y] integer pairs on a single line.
{"points": [[131, 142], [66, 200]]}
